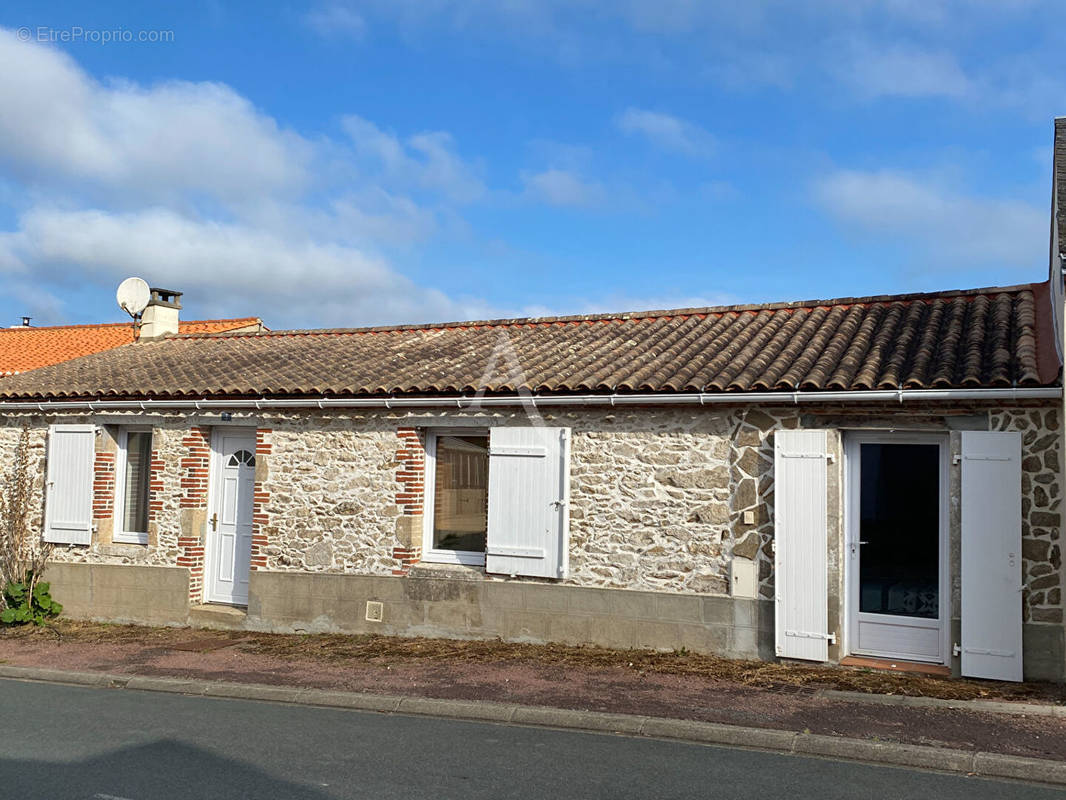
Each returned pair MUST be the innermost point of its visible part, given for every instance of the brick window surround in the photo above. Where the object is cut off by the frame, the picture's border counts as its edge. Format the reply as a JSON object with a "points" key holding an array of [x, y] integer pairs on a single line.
{"points": [[260, 501], [103, 485], [195, 468], [156, 466], [410, 496]]}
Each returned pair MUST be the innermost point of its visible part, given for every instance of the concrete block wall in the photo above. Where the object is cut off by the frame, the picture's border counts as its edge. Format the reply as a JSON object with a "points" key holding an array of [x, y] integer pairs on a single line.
{"points": [[513, 611], [123, 593], [287, 602]]}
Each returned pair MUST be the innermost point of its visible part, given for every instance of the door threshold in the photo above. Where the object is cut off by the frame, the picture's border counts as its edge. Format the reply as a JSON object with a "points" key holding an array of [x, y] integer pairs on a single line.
{"points": [[222, 608], [213, 615], [896, 665]]}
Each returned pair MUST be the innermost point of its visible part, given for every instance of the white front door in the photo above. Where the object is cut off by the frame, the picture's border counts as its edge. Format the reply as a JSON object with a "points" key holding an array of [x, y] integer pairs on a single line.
{"points": [[229, 525], [897, 546]]}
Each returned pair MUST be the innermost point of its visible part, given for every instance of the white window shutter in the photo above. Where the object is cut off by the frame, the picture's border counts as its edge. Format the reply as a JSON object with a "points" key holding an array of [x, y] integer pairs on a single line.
{"points": [[800, 545], [68, 514], [529, 486], [992, 555]]}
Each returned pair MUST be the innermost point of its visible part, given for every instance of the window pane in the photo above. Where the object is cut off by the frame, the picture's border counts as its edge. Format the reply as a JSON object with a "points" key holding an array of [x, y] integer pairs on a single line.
{"points": [[138, 456], [899, 525], [461, 493]]}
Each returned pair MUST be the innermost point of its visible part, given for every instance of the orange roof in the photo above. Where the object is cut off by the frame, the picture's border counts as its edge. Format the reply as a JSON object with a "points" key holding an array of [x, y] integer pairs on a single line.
{"points": [[25, 348]]}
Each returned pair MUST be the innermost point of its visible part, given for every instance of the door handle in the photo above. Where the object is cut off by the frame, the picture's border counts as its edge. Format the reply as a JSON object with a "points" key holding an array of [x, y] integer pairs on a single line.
{"points": [[214, 521]]}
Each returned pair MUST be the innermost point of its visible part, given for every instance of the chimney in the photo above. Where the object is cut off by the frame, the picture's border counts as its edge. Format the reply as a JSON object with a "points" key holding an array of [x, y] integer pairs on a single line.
{"points": [[160, 317]]}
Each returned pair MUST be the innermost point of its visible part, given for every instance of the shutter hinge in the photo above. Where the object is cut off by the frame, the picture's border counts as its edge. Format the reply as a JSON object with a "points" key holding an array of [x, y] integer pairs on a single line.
{"points": [[830, 637], [956, 459], [956, 649]]}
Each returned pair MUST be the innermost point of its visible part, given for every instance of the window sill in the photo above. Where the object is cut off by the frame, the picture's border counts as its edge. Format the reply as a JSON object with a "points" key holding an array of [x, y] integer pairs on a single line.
{"points": [[457, 572], [120, 549], [130, 538], [463, 558]]}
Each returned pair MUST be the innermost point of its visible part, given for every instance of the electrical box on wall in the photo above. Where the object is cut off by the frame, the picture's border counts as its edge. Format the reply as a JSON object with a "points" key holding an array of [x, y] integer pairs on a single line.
{"points": [[375, 611], [744, 578]]}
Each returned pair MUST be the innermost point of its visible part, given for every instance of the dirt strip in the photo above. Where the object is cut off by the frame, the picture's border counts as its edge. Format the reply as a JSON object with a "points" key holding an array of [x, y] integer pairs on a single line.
{"points": [[678, 685]]}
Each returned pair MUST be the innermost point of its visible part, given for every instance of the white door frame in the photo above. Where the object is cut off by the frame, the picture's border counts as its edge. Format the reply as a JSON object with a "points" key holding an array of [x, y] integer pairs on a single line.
{"points": [[214, 473], [852, 461]]}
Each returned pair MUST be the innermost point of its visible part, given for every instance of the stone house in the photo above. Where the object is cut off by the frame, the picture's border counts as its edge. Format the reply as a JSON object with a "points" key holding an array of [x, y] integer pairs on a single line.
{"points": [[700, 478], [875, 478]]}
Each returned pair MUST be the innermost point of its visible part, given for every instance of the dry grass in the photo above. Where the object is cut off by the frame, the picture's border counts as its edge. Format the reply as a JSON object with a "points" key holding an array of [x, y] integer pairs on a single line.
{"points": [[390, 651]]}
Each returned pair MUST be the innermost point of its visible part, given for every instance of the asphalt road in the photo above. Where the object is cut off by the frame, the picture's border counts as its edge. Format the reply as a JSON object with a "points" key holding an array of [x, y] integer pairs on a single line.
{"points": [[59, 742]]}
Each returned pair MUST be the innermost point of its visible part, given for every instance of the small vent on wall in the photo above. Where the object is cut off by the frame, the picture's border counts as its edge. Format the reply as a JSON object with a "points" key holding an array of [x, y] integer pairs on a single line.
{"points": [[375, 611]]}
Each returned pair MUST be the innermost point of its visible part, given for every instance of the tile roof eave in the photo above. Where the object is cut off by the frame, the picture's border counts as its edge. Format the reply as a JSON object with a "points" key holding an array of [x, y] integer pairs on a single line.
{"points": [[988, 338]]}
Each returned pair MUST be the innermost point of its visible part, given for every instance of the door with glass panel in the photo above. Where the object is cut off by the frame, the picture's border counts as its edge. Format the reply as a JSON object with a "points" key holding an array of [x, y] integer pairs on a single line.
{"points": [[896, 546], [229, 526]]}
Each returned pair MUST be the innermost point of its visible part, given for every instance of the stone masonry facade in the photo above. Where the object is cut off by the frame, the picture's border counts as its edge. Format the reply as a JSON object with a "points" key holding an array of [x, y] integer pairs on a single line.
{"points": [[1041, 509], [661, 499]]}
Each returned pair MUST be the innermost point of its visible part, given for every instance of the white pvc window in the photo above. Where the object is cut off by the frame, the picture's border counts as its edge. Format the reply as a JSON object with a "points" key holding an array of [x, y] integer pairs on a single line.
{"points": [[456, 496], [132, 485]]}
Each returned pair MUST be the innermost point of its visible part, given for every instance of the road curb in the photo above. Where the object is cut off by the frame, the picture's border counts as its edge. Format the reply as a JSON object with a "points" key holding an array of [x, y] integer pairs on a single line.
{"points": [[967, 762], [985, 706]]}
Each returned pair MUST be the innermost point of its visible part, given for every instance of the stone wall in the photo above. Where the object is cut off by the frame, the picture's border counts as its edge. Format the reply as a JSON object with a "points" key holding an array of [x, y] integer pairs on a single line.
{"points": [[1041, 509], [332, 488], [662, 498]]}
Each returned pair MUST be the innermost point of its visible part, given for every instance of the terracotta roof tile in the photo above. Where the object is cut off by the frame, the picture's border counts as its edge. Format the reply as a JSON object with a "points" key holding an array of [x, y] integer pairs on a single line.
{"points": [[26, 348], [995, 337]]}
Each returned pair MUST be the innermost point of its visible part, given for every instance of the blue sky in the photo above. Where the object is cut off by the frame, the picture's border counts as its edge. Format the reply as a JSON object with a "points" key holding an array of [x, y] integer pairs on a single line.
{"points": [[350, 163]]}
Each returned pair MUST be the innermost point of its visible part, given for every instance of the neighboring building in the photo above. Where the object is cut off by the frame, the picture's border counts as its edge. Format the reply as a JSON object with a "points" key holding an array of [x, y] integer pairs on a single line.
{"points": [[25, 347], [877, 477]]}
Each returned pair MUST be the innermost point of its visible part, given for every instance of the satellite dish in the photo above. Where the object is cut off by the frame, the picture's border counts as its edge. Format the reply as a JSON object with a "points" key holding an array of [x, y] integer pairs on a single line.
{"points": [[133, 295]]}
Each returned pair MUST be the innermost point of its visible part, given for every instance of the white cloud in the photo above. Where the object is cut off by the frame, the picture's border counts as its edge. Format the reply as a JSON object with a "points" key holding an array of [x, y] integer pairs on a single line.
{"points": [[228, 268], [667, 132], [956, 49], [192, 186], [426, 161], [59, 124], [560, 187], [952, 227], [335, 20], [902, 71]]}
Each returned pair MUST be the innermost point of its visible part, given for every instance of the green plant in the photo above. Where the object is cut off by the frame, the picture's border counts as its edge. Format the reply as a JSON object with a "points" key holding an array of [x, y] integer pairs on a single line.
{"points": [[28, 601], [23, 554]]}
